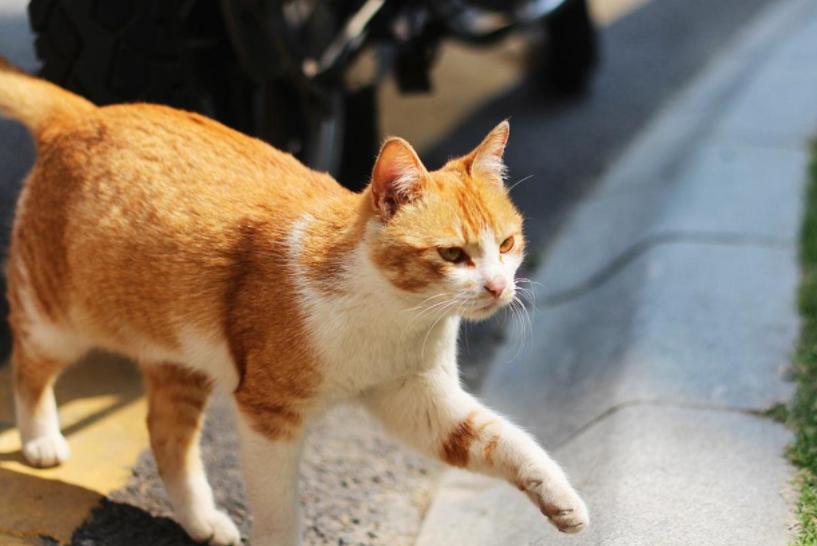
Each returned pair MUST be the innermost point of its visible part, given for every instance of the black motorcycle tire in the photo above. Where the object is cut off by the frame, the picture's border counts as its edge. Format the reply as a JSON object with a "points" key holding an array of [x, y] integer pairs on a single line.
{"points": [[178, 52], [126, 51]]}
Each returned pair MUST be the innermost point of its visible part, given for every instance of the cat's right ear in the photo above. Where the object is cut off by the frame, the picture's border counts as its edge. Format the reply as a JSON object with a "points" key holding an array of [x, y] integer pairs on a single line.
{"points": [[398, 177]]}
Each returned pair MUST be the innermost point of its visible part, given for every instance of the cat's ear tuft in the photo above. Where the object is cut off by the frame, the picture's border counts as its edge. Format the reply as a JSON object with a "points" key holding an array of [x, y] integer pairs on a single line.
{"points": [[399, 177], [485, 161]]}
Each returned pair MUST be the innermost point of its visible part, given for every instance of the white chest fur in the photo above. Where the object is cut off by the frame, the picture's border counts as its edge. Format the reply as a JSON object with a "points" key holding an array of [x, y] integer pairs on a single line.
{"points": [[365, 343], [369, 333]]}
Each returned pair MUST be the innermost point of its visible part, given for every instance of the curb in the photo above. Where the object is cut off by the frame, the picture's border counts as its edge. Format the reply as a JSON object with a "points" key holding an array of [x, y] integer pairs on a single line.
{"points": [[665, 319]]}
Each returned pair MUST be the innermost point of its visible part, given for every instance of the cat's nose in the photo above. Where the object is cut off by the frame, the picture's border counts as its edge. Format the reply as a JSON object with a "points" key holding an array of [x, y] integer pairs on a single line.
{"points": [[495, 287]]}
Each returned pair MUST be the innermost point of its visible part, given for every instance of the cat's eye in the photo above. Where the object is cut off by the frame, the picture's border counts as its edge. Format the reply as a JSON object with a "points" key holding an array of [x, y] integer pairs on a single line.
{"points": [[453, 254], [506, 245]]}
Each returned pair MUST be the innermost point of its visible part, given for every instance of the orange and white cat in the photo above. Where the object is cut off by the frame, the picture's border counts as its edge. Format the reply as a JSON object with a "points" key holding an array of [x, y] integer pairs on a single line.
{"points": [[216, 261]]}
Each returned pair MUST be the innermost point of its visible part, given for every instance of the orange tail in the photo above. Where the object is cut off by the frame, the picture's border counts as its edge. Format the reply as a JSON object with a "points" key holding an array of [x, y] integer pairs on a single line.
{"points": [[34, 102]]}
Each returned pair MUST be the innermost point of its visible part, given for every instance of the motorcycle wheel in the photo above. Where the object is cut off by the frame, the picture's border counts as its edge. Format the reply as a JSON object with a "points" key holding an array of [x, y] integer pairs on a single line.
{"points": [[178, 52]]}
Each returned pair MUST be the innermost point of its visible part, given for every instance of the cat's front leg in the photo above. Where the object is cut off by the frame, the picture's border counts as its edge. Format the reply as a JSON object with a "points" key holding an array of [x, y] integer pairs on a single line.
{"points": [[431, 412], [270, 465]]}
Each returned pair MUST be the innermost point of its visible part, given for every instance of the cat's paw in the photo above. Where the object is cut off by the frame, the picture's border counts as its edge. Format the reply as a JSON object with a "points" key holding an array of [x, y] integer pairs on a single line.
{"points": [[46, 451], [561, 504], [214, 528]]}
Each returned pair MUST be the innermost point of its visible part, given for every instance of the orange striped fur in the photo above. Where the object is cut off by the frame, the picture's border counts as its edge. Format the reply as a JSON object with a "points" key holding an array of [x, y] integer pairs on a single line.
{"points": [[217, 261]]}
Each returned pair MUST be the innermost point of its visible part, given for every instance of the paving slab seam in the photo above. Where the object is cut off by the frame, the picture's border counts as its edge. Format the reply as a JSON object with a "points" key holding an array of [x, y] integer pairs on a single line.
{"points": [[759, 413], [774, 143], [648, 243]]}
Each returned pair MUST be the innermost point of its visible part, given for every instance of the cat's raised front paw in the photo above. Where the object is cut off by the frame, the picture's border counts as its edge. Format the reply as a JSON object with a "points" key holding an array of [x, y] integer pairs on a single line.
{"points": [[561, 504], [215, 529], [46, 451]]}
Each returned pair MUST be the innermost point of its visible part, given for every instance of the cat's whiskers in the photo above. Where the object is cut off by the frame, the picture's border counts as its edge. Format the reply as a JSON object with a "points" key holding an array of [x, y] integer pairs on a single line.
{"points": [[520, 316], [529, 294], [533, 285], [443, 314], [429, 307], [515, 322], [515, 184], [457, 312], [523, 310], [439, 306], [422, 303]]}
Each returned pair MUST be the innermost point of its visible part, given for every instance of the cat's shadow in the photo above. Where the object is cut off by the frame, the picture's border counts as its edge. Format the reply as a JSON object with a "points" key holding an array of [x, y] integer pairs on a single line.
{"points": [[109, 524], [119, 524]]}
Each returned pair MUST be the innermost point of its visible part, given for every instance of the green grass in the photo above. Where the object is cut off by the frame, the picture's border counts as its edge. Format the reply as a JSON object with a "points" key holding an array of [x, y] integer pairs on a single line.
{"points": [[802, 416]]}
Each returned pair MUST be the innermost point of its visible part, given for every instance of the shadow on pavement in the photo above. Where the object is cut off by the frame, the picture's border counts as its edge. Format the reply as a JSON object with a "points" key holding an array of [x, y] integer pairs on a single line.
{"points": [[97, 375], [119, 524]]}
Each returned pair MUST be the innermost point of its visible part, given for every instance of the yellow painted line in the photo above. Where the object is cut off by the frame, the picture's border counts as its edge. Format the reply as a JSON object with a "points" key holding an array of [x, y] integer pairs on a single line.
{"points": [[463, 79], [102, 414]]}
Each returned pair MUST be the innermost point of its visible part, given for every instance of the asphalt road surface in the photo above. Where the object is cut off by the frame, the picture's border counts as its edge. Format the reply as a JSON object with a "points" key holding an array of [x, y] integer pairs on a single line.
{"points": [[563, 145]]}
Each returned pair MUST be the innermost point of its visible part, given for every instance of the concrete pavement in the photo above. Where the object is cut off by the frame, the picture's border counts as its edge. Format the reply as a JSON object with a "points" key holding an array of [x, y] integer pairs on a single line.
{"points": [[665, 321]]}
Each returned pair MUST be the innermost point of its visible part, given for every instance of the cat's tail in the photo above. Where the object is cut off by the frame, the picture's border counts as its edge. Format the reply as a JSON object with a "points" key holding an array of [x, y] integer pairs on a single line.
{"points": [[34, 102]]}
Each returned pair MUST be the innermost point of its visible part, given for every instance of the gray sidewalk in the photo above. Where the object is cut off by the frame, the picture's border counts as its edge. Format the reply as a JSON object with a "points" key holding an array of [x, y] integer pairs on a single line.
{"points": [[665, 321]]}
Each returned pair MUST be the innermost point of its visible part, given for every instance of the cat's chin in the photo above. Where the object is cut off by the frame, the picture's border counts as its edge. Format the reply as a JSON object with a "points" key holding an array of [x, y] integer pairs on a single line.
{"points": [[482, 313]]}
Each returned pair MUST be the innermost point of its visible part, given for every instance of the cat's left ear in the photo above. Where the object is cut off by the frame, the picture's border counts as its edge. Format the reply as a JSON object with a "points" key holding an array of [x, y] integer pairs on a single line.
{"points": [[485, 161], [399, 177]]}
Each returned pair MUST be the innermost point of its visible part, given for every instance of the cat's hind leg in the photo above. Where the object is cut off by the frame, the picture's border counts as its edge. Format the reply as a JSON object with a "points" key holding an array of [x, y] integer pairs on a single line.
{"points": [[37, 359], [177, 398], [42, 347]]}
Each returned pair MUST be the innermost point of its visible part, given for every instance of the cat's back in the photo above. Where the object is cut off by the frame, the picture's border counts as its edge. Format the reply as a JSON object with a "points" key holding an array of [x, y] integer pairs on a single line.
{"points": [[155, 205], [139, 150], [157, 179]]}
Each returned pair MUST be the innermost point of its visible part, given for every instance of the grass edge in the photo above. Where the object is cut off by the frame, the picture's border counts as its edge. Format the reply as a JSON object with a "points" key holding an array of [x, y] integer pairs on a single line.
{"points": [[802, 413]]}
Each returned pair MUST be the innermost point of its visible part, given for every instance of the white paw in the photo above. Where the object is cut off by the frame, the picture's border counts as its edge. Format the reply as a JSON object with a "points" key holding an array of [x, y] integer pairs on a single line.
{"points": [[560, 503], [214, 528], [46, 451]]}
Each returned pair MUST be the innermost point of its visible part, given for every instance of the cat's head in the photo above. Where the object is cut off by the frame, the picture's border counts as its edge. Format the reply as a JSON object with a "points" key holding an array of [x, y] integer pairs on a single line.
{"points": [[450, 238]]}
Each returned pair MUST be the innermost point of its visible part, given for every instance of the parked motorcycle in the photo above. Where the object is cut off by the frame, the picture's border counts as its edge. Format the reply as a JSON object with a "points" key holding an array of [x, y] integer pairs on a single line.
{"points": [[280, 70]]}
